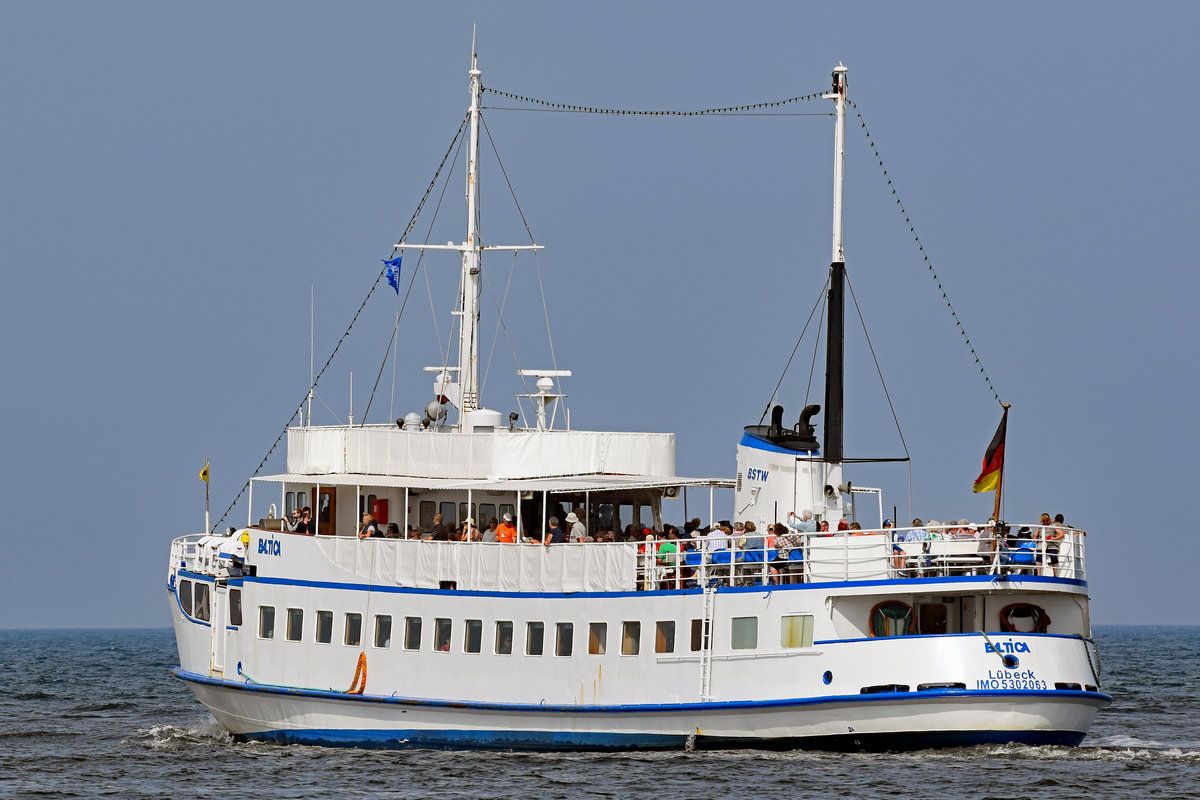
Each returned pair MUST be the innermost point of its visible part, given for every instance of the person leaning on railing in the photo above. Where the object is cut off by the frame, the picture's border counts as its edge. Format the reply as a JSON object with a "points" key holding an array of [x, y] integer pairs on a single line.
{"points": [[786, 540]]}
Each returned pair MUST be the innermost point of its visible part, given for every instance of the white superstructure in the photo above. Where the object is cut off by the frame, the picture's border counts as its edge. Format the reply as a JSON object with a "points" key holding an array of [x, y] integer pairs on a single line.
{"points": [[848, 640]]}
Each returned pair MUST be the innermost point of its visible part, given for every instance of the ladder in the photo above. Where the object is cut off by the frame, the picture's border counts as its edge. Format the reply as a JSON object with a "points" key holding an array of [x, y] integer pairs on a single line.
{"points": [[706, 644]]}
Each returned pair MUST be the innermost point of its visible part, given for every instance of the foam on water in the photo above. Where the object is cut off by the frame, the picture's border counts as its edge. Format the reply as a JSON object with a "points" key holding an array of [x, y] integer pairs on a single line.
{"points": [[94, 713]]}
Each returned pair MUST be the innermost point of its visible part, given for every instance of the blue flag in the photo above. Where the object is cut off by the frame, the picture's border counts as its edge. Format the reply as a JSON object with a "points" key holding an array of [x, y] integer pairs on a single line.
{"points": [[393, 272]]}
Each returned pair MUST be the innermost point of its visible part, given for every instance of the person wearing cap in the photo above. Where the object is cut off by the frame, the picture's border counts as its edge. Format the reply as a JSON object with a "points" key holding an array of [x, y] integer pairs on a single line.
{"points": [[507, 532], [555, 534], [717, 539], [470, 532], [578, 530]]}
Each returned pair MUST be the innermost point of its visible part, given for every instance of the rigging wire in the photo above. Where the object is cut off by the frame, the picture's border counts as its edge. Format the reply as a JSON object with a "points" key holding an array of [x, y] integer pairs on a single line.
{"points": [[816, 348], [794, 349], [420, 263], [300, 408], [924, 255], [878, 370], [619, 112], [536, 262]]}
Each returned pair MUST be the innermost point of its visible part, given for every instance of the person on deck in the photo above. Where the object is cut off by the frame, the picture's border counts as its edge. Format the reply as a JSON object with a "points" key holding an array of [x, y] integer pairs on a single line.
{"points": [[369, 526], [555, 534], [507, 532], [440, 532], [804, 523], [489, 535], [578, 529]]}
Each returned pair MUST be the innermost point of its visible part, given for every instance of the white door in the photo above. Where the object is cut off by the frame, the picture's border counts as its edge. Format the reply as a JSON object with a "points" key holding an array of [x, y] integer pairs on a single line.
{"points": [[220, 614]]}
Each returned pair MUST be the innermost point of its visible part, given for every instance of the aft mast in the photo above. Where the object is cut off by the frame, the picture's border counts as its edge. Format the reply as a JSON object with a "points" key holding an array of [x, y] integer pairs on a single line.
{"points": [[835, 341]]}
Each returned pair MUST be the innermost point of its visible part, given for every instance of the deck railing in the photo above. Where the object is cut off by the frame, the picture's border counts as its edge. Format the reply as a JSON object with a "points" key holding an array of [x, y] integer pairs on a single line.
{"points": [[656, 564]]}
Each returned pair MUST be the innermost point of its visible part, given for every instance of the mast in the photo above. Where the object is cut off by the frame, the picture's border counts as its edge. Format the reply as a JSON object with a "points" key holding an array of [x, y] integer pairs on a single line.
{"points": [[468, 344], [835, 340]]}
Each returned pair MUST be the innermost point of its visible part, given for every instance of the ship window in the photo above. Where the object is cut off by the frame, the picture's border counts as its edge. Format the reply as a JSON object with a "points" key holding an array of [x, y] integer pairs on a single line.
{"points": [[700, 633], [184, 591], [534, 633], [448, 514], [664, 636], [508, 508], [323, 510], [266, 622], [295, 624], [428, 509], [744, 633], [200, 604], [564, 635], [597, 639], [324, 627], [504, 634], [796, 630], [486, 512], [383, 630], [353, 635], [463, 515], [235, 607], [646, 516], [366, 503], [412, 633], [301, 499], [624, 516], [441, 634], [606, 517], [631, 638], [474, 637], [289, 503]]}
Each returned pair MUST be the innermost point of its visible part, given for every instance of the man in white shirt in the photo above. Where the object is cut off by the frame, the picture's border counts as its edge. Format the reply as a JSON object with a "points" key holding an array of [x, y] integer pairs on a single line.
{"points": [[577, 529]]}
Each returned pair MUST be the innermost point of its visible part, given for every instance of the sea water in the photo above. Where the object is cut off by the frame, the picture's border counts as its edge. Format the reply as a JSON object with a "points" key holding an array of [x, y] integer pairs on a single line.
{"points": [[98, 714]]}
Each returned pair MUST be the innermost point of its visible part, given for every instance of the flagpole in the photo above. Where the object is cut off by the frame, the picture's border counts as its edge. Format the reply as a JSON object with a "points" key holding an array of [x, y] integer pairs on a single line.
{"points": [[207, 526], [1000, 477]]}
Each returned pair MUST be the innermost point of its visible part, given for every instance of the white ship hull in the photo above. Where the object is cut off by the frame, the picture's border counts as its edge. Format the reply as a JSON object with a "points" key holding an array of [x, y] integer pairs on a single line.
{"points": [[877, 722]]}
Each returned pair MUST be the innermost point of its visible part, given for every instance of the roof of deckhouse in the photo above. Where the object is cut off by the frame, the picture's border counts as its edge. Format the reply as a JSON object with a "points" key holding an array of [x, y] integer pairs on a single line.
{"points": [[568, 483]]}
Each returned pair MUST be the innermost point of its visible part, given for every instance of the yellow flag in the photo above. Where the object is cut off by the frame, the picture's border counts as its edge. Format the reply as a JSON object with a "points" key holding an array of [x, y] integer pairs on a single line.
{"points": [[204, 473]]}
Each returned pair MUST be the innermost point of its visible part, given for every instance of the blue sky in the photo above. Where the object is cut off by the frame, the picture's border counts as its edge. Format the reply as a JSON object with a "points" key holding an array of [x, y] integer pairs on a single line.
{"points": [[175, 177]]}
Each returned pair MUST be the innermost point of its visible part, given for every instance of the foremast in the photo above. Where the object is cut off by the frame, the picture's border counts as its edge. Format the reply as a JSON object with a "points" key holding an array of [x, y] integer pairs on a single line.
{"points": [[468, 340], [463, 393]]}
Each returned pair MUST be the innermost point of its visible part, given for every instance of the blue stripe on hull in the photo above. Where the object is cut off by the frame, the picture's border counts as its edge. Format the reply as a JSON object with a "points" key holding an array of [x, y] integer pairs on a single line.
{"points": [[592, 741]]}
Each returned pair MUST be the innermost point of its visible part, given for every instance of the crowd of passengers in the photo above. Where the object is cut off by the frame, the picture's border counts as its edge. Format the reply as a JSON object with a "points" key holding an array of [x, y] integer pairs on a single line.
{"points": [[782, 540]]}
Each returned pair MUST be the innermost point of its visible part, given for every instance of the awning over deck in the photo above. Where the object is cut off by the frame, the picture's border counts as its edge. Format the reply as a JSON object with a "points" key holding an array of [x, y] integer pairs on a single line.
{"points": [[572, 483]]}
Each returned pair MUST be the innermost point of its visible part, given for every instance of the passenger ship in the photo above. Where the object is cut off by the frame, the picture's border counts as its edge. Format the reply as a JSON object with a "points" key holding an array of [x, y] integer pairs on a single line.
{"points": [[332, 639]]}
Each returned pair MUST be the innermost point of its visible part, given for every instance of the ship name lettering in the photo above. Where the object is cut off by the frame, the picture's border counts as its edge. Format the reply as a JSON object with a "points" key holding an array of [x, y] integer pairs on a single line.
{"points": [[1006, 647], [755, 474], [269, 547]]}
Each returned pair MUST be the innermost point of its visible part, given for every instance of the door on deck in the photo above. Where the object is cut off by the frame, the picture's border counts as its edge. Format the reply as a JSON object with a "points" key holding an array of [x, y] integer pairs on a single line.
{"points": [[325, 509], [219, 622]]}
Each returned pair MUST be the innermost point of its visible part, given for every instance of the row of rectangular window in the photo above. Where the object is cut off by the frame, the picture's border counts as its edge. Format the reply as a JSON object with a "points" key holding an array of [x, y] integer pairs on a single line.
{"points": [[796, 630], [194, 600]]}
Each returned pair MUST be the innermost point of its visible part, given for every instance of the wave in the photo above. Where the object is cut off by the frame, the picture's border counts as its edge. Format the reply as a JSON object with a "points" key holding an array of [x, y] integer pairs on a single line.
{"points": [[170, 738]]}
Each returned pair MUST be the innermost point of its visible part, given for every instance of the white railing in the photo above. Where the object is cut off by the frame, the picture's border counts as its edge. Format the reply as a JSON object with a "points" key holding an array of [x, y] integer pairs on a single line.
{"points": [[664, 564], [941, 551]]}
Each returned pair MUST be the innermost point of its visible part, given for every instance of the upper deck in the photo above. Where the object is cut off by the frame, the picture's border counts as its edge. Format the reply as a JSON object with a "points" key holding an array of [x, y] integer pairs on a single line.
{"points": [[481, 453], [631, 566]]}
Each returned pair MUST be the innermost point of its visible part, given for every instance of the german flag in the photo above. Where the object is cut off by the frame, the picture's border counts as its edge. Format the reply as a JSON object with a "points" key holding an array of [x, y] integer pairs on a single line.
{"points": [[993, 459]]}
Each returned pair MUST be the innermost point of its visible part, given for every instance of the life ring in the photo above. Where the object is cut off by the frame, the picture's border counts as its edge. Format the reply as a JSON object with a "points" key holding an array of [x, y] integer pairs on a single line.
{"points": [[891, 618], [360, 676], [1011, 613]]}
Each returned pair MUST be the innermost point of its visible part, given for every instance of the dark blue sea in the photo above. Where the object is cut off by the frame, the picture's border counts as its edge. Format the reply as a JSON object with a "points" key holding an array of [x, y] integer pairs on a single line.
{"points": [[98, 714]]}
